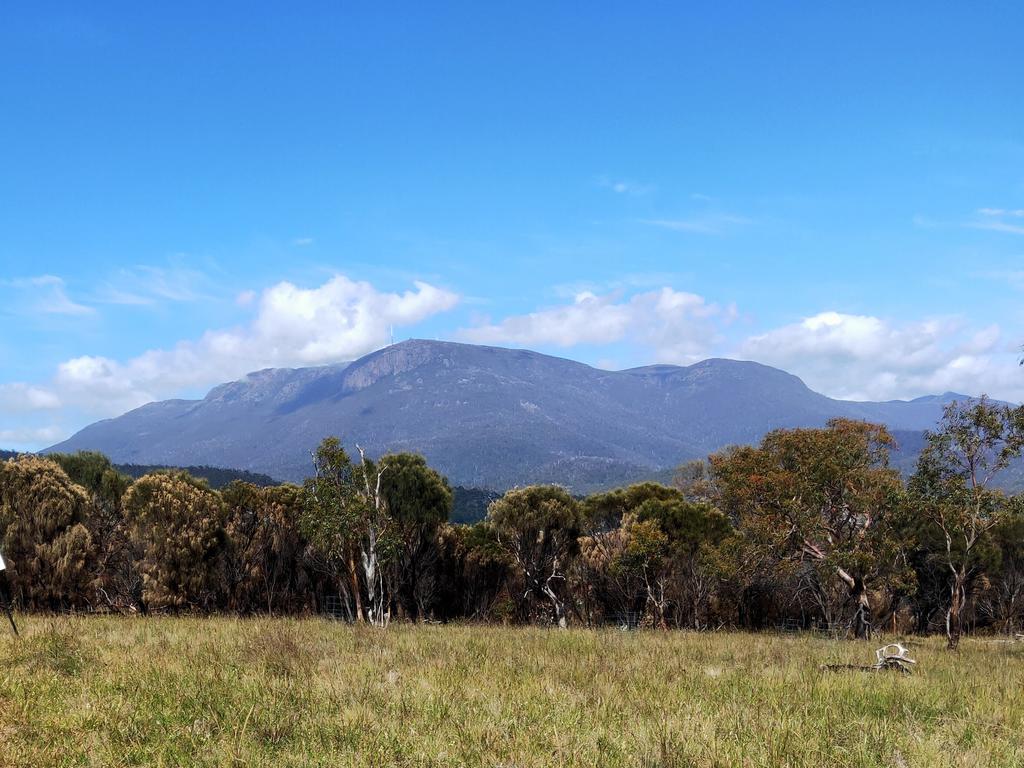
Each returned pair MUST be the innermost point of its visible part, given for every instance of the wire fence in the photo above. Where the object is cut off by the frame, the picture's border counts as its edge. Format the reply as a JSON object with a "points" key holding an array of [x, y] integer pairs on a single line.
{"points": [[336, 608], [817, 627], [626, 620]]}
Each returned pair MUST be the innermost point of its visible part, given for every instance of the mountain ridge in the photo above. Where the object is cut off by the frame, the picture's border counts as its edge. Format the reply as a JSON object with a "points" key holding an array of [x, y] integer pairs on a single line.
{"points": [[486, 416]]}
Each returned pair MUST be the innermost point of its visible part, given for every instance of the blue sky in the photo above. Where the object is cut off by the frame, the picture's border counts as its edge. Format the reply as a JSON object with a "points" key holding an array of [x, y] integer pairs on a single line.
{"points": [[193, 191]]}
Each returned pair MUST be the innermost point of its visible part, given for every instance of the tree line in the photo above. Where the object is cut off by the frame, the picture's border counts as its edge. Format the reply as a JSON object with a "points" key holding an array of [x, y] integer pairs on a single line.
{"points": [[810, 528]]}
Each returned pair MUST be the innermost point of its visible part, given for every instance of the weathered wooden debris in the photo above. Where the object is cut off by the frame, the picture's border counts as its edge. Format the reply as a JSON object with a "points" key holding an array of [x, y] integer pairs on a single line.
{"points": [[891, 657]]}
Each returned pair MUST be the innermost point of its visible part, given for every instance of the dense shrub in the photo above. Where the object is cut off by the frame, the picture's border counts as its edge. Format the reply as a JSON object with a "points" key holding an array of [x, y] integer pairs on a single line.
{"points": [[46, 542], [176, 527]]}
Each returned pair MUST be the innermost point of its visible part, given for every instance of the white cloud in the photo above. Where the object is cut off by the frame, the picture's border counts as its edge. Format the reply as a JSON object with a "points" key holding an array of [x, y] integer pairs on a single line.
{"points": [[1017, 213], [703, 224], [867, 358], [1007, 220], [623, 187], [859, 357], [49, 295], [300, 241], [678, 326], [842, 355], [30, 438], [146, 285], [1015, 278], [293, 326], [998, 225], [626, 283], [245, 298], [18, 397]]}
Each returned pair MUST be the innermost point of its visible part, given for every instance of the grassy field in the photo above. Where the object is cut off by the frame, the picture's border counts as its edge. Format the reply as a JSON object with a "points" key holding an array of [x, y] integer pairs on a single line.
{"points": [[281, 692]]}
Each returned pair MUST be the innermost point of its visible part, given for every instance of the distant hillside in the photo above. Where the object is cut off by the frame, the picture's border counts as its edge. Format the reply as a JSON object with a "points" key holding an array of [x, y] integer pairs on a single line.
{"points": [[486, 417], [470, 504], [217, 477]]}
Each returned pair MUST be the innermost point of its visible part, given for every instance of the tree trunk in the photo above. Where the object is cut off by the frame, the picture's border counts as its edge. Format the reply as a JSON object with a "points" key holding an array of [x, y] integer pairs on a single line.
{"points": [[559, 608], [861, 623], [374, 598], [658, 601], [862, 618], [354, 578], [954, 616]]}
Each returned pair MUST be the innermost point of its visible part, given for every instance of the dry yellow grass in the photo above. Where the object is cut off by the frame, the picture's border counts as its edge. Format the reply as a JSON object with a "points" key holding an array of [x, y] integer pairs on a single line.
{"points": [[283, 692]]}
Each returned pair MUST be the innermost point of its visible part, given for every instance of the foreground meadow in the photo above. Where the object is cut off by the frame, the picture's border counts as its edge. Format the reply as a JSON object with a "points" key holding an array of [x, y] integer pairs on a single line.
{"points": [[162, 691]]}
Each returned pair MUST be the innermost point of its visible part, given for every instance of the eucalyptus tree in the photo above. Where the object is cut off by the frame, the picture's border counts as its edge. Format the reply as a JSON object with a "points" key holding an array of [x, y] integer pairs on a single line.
{"points": [[682, 536], [419, 501], [819, 503], [621, 556], [538, 527], [265, 561], [1003, 600], [473, 572], [332, 514], [953, 490], [377, 536], [346, 518]]}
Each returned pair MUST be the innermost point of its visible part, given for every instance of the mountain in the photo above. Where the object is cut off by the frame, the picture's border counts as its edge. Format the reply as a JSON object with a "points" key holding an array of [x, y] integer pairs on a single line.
{"points": [[487, 417]]}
